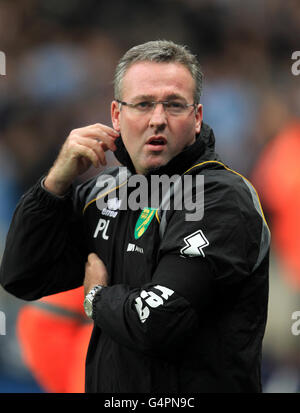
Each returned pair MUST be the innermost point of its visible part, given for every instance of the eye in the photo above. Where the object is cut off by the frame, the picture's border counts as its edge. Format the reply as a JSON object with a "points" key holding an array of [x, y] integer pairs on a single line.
{"points": [[175, 105], [143, 105]]}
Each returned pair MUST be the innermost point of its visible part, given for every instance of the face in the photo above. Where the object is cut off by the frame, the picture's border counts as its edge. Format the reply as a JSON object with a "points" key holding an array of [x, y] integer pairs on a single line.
{"points": [[153, 138]]}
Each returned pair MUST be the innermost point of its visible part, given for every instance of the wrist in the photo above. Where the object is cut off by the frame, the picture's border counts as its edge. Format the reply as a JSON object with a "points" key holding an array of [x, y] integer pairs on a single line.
{"points": [[56, 187], [89, 300]]}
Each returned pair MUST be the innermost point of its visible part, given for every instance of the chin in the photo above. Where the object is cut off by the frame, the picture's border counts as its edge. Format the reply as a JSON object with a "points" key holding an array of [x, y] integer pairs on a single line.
{"points": [[154, 167], [154, 163]]}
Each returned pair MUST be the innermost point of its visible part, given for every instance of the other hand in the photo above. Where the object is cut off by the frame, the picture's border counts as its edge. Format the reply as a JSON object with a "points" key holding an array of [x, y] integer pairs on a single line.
{"points": [[95, 273]]}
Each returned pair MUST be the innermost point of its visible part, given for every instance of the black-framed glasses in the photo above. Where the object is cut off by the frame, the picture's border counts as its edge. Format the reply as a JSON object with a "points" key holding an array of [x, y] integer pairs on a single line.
{"points": [[172, 107]]}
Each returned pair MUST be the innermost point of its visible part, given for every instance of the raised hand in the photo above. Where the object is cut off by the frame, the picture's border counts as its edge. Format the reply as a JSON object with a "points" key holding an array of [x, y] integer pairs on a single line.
{"points": [[83, 147]]}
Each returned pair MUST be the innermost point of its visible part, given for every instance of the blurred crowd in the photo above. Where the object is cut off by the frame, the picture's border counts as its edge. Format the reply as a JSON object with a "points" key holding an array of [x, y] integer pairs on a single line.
{"points": [[60, 61]]}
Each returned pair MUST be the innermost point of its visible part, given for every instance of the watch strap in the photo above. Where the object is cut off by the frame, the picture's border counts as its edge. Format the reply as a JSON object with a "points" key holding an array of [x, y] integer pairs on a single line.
{"points": [[89, 299]]}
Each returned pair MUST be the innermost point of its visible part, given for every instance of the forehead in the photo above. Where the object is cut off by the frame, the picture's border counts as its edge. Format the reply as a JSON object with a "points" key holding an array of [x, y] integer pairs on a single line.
{"points": [[158, 80]]}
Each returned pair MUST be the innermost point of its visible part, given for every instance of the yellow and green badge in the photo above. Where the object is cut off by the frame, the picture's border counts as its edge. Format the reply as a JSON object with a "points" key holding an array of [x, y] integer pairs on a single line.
{"points": [[143, 221]]}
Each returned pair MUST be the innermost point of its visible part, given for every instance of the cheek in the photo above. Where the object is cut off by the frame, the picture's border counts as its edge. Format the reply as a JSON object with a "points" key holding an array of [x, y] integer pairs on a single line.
{"points": [[128, 125], [132, 129], [185, 135], [131, 134]]}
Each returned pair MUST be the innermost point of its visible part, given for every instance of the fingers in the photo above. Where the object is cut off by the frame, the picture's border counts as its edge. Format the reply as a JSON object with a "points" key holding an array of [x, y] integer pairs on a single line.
{"points": [[94, 260], [97, 138], [83, 147], [104, 128], [93, 149], [90, 154], [92, 256], [99, 132], [95, 272]]}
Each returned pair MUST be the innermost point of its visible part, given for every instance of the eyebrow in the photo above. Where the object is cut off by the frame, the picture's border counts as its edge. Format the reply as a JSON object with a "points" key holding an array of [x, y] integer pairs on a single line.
{"points": [[152, 97]]}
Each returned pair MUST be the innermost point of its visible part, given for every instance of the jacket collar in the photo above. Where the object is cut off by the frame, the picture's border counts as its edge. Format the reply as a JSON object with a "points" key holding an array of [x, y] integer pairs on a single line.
{"points": [[202, 149]]}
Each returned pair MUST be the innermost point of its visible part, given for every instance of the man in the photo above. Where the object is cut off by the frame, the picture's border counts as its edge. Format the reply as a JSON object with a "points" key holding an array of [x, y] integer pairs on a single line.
{"points": [[179, 305]]}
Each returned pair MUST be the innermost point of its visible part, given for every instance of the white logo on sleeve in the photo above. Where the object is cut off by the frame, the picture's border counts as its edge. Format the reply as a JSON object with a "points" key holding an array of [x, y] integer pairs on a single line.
{"points": [[194, 244], [152, 300]]}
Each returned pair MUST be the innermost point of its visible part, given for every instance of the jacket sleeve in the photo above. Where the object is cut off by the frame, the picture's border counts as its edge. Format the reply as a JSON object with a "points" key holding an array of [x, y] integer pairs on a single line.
{"points": [[198, 260], [158, 318], [44, 252]]}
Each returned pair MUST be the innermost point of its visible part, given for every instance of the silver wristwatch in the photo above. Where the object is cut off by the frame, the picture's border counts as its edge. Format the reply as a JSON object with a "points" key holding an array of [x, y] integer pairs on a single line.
{"points": [[89, 298]]}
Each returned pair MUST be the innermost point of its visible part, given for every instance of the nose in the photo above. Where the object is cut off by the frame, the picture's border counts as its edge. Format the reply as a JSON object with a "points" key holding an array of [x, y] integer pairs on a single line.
{"points": [[158, 117]]}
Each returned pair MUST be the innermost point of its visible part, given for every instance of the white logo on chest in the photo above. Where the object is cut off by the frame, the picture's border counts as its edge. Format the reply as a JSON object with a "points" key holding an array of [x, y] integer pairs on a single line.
{"points": [[102, 227]]}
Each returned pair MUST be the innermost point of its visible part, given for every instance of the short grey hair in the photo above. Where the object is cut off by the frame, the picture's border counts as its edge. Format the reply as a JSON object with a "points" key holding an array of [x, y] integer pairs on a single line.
{"points": [[159, 51]]}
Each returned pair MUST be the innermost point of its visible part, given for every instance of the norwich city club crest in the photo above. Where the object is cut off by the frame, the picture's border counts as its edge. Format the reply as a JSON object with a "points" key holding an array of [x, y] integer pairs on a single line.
{"points": [[143, 222]]}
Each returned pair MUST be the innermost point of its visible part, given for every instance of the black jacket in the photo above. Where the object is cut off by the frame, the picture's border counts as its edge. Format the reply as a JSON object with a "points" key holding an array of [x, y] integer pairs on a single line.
{"points": [[186, 305]]}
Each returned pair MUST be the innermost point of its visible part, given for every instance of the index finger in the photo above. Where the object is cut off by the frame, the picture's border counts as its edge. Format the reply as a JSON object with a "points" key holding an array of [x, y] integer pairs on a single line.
{"points": [[110, 131]]}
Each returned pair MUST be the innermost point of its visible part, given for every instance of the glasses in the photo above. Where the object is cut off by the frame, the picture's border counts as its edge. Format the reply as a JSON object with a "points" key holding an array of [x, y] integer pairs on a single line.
{"points": [[172, 107]]}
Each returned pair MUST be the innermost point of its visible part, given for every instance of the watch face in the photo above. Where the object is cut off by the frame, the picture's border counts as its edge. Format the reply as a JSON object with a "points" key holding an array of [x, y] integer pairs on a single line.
{"points": [[88, 301], [88, 307]]}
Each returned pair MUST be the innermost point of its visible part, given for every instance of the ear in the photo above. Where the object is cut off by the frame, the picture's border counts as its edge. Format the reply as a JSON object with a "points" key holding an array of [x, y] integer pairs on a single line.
{"points": [[199, 117], [115, 115]]}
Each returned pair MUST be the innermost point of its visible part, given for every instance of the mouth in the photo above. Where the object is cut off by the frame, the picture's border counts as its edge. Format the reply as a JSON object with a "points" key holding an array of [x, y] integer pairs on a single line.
{"points": [[156, 142]]}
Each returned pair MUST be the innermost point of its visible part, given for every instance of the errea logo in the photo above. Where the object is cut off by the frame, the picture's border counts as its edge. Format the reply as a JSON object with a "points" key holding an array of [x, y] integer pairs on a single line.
{"points": [[114, 203], [113, 206]]}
